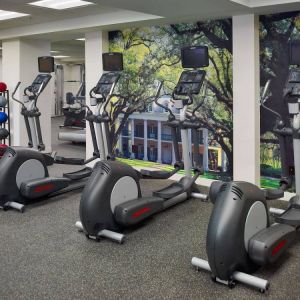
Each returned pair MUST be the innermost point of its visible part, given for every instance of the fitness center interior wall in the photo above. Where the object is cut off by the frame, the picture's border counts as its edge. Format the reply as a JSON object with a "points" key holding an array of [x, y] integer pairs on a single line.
{"points": [[153, 53]]}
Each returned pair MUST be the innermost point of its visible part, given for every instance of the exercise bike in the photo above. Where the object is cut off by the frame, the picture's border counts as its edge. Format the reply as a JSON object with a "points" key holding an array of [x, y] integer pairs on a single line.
{"points": [[24, 176], [112, 201], [240, 238]]}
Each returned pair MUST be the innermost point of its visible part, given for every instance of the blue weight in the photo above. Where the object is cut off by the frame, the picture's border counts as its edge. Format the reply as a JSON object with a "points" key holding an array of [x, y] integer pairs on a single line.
{"points": [[3, 117]]}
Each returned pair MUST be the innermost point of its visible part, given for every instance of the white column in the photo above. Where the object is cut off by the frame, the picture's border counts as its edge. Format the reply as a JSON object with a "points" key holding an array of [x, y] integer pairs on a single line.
{"points": [[246, 110], [159, 150], [120, 141], [132, 135], [20, 63], [95, 44], [224, 161], [205, 145], [173, 156], [145, 140]]}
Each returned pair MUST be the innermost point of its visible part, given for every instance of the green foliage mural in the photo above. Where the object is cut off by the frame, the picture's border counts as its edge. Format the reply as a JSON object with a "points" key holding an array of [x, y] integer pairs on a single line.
{"points": [[153, 53], [275, 33]]}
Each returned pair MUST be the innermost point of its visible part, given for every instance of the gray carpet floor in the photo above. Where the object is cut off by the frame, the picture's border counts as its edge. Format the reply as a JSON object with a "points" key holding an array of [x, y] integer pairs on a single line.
{"points": [[44, 257]]}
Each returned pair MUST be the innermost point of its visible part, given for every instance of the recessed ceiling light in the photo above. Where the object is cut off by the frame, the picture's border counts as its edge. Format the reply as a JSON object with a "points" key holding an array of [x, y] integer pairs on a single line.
{"points": [[61, 4], [81, 39], [5, 15], [54, 51], [61, 56]]}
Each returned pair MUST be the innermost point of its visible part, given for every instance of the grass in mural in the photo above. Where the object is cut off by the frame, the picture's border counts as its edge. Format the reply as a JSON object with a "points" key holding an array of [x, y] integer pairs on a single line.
{"points": [[265, 181]]}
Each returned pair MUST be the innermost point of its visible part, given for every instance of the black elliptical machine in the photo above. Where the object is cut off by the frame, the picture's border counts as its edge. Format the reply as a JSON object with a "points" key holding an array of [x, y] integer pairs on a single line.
{"points": [[24, 176], [112, 200], [240, 238]]}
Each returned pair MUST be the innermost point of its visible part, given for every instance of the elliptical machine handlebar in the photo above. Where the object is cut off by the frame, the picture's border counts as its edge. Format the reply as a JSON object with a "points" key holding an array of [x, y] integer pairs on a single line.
{"points": [[14, 93], [264, 97]]}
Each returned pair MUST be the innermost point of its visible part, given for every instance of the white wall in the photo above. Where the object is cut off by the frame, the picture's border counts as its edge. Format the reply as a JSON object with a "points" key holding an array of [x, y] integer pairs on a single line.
{"points": [[0, 68], [20, 63]]}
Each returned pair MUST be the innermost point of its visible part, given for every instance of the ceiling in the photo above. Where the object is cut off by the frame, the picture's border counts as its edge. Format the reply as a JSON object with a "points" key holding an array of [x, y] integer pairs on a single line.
{"points": [[63, 27]]}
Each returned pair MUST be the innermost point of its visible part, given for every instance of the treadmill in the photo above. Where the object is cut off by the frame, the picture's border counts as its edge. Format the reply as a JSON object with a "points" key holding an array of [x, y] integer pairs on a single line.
{"points": [[76, 135]]}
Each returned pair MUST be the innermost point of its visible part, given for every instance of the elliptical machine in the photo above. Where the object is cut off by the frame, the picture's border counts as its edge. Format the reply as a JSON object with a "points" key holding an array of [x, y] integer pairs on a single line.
{"points": [[240, 238], [112, 200], [24, 176], [32, 93]]}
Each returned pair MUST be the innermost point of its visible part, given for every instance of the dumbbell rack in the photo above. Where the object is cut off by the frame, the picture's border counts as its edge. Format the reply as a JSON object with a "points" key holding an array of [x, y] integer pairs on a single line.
{"points": [[6, 125]]}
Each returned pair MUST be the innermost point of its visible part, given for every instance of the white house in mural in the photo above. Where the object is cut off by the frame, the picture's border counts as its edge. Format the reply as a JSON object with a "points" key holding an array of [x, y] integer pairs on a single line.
{"points": [[147, 137]]}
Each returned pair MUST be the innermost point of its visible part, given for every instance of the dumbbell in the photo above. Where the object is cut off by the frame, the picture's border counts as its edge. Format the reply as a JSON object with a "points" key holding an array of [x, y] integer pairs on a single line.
{"points": [[3, 87], [4, 133], [3, 101]]}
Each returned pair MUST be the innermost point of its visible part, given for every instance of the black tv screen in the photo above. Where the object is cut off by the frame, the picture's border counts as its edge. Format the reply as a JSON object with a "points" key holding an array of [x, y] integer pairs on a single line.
{"points": [[295, 52], [112, 61], [46, 64], [194, 57]]}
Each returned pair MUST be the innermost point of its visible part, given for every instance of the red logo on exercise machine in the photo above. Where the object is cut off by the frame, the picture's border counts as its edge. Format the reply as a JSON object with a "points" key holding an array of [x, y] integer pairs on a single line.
{"points": [[140, 212], [44, 188], [279, 246]]}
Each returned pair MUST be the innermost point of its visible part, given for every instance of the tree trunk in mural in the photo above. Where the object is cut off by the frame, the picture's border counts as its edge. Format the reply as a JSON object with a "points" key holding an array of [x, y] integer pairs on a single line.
{"points": [[276, 31]]}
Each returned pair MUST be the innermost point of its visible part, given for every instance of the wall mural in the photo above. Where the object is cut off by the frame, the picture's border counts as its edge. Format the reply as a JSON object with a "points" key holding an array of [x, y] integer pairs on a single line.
{"points": [[153, 53], [275, 33]]}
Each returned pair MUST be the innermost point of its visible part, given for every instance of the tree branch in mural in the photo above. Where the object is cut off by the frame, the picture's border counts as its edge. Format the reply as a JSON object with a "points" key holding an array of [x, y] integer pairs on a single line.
{"points": [[158, 57], [216, 114], [275, 33]]}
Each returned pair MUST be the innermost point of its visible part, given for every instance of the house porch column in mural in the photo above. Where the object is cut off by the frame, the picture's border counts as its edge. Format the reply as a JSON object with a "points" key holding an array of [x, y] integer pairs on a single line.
{"points": [[205, 153], [145, 140], [132, 136], [159, 142], [246, 105]]}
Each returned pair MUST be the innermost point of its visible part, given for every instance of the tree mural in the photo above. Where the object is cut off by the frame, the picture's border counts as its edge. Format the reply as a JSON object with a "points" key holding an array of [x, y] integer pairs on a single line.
{"points": [[154, 53], [275, 34]]}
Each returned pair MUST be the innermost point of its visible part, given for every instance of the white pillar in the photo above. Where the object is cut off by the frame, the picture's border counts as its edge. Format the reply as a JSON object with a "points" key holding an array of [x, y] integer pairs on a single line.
{"points": [[132, 136], [246, 110], [224, 161], [173, 156], [145, 140], [95, 44], [159, 142], [20, 63], [205, 145], [120, 141]]}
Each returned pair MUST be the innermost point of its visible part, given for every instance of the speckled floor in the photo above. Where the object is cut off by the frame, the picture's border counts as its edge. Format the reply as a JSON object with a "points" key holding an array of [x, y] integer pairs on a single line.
{"points": [[44, 257]]}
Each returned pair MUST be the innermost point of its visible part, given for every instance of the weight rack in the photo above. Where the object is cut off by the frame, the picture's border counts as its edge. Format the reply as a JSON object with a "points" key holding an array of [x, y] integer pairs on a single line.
{"points": [[6, 125]]}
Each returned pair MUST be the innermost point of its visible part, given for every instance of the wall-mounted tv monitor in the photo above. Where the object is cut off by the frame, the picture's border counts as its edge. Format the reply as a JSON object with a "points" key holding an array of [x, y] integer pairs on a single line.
{"points": [[112, 61], [46, 64], [194, 57]]}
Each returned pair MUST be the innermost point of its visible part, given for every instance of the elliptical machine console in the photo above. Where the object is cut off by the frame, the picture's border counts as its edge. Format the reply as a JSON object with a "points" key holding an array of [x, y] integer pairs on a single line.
{"points": [[240, 238]]}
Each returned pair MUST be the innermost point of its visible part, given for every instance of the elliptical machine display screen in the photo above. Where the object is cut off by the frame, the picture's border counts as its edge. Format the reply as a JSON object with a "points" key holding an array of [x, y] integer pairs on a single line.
{"points": [[190, 82], [294, 53], [39, 83], [292, 86], [194, 57], [112, 62], [46, 64], [106, 82]]}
